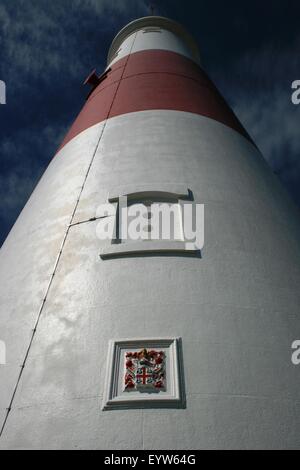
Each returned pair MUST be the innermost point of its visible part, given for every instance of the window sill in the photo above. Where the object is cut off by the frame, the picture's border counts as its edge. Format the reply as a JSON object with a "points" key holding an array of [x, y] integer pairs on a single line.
{"points": [[149, 247]]}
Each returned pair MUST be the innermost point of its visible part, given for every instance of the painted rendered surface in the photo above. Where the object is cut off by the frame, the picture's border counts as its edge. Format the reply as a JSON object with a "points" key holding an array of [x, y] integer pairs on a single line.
{"points": [[236, 309], [154, 80], [237, 314], [29, 255], [171, 36], [146, 40]]}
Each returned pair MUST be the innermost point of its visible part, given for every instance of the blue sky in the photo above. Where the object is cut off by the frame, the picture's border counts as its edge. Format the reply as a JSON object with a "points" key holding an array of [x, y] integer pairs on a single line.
{"points": [[47, 48]]}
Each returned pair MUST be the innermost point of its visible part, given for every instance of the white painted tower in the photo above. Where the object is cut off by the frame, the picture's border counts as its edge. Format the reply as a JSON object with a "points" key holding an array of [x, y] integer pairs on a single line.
{"points": [[75, 308]]}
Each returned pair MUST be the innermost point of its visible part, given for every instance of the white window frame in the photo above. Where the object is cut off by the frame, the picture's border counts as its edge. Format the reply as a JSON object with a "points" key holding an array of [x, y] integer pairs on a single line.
{"points": [[178, 192]]}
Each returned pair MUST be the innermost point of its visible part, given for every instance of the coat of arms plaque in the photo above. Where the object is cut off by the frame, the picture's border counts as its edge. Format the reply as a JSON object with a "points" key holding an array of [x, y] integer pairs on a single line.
{"points": [[145, 370]]}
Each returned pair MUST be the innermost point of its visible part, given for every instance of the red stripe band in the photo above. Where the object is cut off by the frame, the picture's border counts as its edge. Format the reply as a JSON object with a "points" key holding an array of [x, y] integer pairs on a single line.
{"points": [[154, 79]]}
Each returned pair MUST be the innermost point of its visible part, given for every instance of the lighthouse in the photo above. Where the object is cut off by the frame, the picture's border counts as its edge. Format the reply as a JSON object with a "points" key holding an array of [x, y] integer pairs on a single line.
{"points": [[152, 343]]}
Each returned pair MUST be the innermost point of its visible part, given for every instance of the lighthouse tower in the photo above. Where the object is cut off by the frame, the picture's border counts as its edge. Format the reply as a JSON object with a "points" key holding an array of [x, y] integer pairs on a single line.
{"points": [[121, 344]]}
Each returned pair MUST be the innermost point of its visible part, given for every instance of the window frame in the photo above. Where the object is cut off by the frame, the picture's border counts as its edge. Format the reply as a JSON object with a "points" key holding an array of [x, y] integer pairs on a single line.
{"points": [[176, 192]]}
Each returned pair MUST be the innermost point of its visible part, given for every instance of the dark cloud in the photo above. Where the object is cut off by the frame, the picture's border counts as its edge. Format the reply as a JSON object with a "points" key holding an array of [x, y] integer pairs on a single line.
{"points": [[47, 48], [259, 90]]}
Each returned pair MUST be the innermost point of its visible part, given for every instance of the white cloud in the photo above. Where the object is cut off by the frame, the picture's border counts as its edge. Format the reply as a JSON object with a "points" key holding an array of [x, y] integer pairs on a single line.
{"points": [[42, 43], [274, 123], [41, 37], [21, 153], [260, 92]]}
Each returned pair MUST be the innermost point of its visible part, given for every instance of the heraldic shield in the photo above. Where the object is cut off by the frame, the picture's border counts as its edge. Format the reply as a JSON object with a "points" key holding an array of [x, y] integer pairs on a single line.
{"points": [[145, 371]]}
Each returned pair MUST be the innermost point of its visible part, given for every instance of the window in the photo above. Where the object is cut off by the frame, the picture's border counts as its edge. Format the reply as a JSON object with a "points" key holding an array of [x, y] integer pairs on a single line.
{"points": [[149, 219], [157, 218], [151, 29]]}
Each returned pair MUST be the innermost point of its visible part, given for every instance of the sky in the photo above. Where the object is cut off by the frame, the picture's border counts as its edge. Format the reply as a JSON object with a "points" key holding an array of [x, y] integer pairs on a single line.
{"points": [[251, 50]]}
